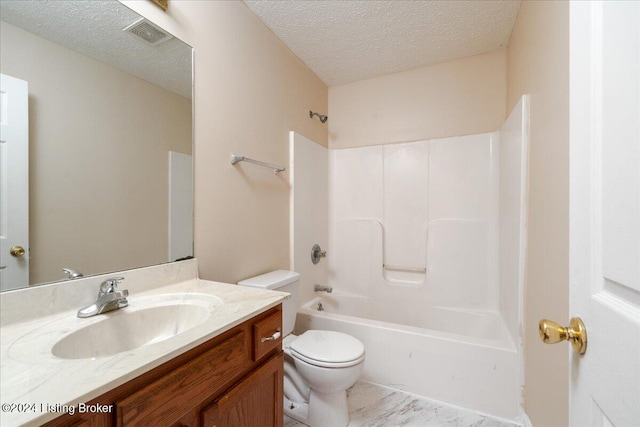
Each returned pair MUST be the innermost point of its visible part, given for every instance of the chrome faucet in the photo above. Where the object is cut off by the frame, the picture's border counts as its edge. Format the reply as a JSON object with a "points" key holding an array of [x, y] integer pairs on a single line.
{"points": [[317, 253], [319, 288], [109, 298], [72, 273]]}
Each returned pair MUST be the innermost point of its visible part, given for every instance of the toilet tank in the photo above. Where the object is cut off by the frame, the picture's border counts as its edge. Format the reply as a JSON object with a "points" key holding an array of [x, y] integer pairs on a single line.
{"points": [[283, 281]]}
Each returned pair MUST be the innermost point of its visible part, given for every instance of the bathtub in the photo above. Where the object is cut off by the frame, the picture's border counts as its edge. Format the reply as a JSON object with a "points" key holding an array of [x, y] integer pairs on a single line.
{"points": [[460, 357]]}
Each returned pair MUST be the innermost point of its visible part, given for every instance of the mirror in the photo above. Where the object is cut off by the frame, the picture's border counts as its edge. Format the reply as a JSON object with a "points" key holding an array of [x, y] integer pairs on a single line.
{"points": [[108, 181]]}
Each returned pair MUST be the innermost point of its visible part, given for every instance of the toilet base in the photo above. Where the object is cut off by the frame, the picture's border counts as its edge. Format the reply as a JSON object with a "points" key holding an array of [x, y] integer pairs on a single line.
{"points": [[297, 411], [323, 410], [328, 409]]}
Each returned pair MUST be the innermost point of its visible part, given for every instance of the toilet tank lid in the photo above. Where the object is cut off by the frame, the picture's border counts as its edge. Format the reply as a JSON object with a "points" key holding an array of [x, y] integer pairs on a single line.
{"points": [[271, 280]]}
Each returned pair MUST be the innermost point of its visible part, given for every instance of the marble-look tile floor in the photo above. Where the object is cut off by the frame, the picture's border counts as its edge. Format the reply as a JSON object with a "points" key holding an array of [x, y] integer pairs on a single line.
{"points": [[371, 405]]}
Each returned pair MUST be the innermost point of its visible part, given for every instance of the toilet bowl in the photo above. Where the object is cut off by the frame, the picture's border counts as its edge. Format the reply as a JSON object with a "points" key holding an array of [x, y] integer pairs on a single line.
{"points": [[319, 365], [329, 363]]}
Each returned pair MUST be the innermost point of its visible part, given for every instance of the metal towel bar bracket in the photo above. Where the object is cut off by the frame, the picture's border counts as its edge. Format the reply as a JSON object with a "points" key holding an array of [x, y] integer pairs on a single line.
{"points": [[236, 159]]}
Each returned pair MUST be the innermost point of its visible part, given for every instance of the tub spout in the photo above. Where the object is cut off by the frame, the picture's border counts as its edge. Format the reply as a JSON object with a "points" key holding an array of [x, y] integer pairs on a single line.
{"points": [[319, 288]]}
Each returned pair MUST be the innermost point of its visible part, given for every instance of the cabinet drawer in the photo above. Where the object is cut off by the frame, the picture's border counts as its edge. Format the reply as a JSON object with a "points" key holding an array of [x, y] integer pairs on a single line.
{"points": [[267, 334], [163, 401]]}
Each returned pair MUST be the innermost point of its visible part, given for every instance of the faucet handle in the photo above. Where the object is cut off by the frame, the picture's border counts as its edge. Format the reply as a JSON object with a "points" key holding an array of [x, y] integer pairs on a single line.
{"points": [[110, 285], [317, 253], [73, 274]]}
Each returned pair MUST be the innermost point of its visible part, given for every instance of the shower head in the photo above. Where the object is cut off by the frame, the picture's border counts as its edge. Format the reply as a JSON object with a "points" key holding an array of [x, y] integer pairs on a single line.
{"points": [[322, 118]]}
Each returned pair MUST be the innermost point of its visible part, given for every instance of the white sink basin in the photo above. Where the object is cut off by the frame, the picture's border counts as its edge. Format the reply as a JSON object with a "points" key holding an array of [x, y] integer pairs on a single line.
{"points": [[124, 330], [147, 320]]}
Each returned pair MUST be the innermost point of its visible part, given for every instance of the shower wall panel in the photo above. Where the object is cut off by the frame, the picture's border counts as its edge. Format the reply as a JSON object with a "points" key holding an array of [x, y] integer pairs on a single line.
{"points": [[463, 251], [355, 183], [514, 137], [309, 211], [405, 204], [415, 223]]}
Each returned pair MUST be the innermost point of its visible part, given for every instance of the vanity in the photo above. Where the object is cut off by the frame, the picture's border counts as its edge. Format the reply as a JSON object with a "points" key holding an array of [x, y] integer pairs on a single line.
{"points": [[233, 376], [223, 366]]}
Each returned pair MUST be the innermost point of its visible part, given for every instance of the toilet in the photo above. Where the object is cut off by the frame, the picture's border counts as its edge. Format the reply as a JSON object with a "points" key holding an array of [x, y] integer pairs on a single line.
{"points": [[319, 366]]}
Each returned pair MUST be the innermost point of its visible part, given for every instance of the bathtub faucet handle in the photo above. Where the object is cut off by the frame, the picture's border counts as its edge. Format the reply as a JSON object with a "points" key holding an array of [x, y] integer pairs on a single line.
{"points": [[317, 253], [319, 288]]}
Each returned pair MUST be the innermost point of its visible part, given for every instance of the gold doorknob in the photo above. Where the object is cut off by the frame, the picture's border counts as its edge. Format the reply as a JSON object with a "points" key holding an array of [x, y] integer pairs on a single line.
{"points": [[16, 251], [551, 333]]}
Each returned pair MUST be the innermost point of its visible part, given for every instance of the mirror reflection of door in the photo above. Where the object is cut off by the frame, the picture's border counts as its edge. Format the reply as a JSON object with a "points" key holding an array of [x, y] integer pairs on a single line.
{"points": [[14, 183], [180, 205]]}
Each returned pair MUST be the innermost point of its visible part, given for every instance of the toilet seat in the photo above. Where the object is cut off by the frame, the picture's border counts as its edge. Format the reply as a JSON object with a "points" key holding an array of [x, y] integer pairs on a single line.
{"points": [[327, 349], [329, 365]]}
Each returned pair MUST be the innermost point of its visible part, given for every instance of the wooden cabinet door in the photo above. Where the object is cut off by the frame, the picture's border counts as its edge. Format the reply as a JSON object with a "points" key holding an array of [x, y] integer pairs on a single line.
{"points": [[255, 402], [164, 401]]}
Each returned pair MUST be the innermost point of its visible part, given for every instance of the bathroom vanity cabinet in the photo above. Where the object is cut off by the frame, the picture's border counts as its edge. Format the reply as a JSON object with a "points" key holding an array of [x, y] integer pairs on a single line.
{"points": [[234, 379]]}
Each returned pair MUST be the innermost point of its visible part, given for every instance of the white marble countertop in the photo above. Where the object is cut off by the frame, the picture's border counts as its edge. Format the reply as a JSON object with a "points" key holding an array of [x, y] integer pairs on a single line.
{"points": [[32, 376]]}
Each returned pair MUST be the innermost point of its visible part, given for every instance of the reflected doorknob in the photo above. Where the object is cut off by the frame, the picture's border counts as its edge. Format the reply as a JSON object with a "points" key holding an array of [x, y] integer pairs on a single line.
{"points": [[17, 251], [551, 333]]}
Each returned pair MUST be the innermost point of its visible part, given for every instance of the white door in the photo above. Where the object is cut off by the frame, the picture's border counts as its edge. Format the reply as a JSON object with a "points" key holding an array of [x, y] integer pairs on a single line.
{"points": [[14, 183], [180, 205], [605, 211]]}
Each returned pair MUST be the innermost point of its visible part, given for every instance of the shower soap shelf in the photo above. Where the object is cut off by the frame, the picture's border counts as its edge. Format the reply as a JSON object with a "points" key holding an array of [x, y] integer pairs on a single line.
{"points": [[399, 267]]}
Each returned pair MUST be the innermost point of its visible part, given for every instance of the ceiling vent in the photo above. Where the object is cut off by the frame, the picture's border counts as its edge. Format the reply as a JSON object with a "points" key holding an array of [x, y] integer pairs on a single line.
{"points": [[148, 32]]}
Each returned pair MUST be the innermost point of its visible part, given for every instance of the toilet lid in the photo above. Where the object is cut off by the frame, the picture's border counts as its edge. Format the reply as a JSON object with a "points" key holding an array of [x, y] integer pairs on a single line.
{"points": [[328, 347]]}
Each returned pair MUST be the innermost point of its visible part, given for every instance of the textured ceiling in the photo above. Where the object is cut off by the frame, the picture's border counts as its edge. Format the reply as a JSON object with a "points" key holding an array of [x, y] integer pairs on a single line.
{"points": [[345, 41], [94, 29]]}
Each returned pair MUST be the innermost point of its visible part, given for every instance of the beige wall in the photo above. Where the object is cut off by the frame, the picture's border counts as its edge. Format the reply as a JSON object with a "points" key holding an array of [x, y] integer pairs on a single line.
{"points": [[250, 91], [538, 63], [454, 98], [99, 143]]}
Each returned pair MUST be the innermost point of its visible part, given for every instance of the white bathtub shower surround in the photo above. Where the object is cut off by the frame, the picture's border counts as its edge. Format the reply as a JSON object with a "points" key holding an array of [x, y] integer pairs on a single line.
{"points": [[480, 327], [514, 146], [426, 258], [464, 358], [411, 214], [308, 210], [405, 229], [514, 157], [456, 260]]}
